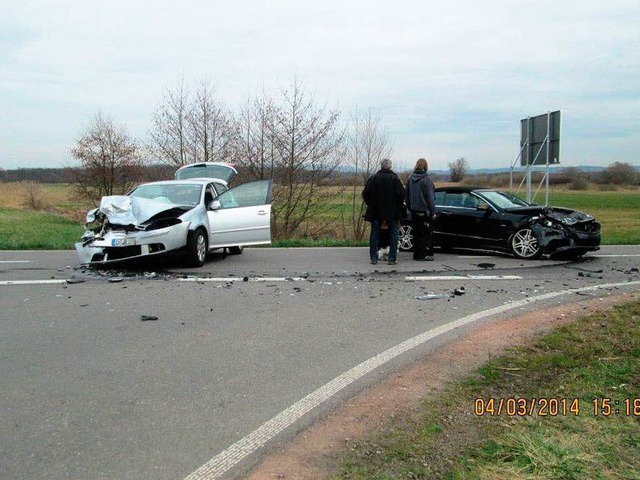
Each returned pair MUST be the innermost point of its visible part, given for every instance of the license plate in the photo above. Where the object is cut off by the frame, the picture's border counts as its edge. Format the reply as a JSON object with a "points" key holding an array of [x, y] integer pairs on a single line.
{"points": [[123, 242]]}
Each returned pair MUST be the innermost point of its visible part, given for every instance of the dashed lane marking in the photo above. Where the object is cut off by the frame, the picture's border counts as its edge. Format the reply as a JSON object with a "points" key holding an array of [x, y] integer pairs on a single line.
{"points": [[426, 278], [30, 282], [241, 279], [15, 261], [226, 460]]}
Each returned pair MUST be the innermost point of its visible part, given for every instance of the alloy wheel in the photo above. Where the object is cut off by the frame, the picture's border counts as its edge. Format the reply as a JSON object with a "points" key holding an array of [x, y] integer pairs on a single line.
{"points": [[525, 244]]}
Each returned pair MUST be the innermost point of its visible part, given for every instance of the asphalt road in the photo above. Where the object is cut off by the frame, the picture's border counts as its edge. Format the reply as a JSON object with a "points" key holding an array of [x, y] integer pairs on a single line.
{"points": [[245, 351]]}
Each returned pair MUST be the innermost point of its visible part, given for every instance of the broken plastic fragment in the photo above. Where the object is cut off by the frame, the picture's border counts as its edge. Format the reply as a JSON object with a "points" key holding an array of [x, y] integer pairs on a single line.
{"points": [[432, 296], [486, 265]]}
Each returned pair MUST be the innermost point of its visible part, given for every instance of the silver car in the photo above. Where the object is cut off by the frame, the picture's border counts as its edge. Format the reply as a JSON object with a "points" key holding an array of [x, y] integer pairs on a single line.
{"points": [[196, 213]]}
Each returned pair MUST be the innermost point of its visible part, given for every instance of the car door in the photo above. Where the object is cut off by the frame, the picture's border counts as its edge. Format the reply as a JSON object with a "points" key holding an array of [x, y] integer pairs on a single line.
{"points": [[457, 222], [241, 216]]}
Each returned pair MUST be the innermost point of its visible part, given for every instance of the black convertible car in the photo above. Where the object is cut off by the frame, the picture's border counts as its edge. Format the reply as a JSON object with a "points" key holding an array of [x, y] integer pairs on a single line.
{"points": [[488, 219]]}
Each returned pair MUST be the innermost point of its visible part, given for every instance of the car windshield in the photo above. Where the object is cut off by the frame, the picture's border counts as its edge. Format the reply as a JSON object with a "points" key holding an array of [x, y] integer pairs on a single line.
{"points": [[175, 194], [503, 199]]}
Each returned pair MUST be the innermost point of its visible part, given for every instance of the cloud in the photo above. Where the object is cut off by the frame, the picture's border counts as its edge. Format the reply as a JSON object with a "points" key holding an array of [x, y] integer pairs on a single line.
{"points": [[450, 79]]}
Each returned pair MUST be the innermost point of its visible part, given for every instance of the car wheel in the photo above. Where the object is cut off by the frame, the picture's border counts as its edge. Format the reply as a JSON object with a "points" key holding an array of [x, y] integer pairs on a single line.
{"points": [[196, 248], [524, 244], [405, 238], [235, 250]]}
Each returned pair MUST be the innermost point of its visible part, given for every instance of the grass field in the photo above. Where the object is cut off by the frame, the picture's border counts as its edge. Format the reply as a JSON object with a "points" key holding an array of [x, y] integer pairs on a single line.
{"points": [[61, 213], [27, 230], [454, 436]]}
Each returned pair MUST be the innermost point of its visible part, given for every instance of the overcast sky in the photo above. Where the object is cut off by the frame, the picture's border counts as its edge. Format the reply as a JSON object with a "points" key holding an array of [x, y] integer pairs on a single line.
{"points": [[449, 78]]}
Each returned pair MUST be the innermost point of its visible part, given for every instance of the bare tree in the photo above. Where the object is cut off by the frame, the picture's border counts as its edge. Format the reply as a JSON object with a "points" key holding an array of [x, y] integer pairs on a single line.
{"points": [[458, 169], [307, 142], [212, 131], [257, 153], [367, 143], [191, 126], [110, 162], [169, 135]]}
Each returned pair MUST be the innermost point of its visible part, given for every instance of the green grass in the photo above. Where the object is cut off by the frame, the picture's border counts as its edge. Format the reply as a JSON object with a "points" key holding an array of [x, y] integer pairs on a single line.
{"points": [[27, 230], [307, 242], [617, 212], [597, 357]]}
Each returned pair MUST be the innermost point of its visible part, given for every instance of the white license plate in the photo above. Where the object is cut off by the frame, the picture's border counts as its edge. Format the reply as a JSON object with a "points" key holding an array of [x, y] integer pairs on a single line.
{"points": [[123, 242]]}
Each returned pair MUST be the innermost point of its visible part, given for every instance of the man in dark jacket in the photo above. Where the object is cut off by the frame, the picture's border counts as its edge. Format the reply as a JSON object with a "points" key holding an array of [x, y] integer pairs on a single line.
{"points": [[420, 202], [383, 195]]}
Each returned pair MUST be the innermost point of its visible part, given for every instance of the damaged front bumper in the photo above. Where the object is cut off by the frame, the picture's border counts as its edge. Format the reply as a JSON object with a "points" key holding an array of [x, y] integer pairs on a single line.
{"points": [[568, 240], [116, 246]]}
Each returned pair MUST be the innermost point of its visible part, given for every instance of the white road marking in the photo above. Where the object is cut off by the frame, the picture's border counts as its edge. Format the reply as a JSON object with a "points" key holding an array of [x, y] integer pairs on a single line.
{"points": [[620, 255], [15, 261], [224, 461], [475, 256], [30, 282], [462, 277], [241, 279]]}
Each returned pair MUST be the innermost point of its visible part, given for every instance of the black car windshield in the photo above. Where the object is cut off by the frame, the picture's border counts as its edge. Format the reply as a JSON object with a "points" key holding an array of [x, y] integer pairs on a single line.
{"points": [[503, 199], [175, 194]]}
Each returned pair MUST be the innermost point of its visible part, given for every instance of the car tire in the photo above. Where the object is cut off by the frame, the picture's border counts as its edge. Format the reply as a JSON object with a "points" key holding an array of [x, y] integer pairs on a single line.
{"points": [[524, 244], [197, 248], [235, 250], [405, 238]]}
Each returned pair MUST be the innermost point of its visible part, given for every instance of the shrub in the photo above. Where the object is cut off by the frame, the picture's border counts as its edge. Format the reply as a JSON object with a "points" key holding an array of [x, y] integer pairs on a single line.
{"points": [[33, 198]]}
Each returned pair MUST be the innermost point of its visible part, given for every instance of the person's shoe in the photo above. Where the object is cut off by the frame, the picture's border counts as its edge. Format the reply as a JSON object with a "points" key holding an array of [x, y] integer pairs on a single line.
{"points": [[393, 262], [428, 258], [374, 262]]}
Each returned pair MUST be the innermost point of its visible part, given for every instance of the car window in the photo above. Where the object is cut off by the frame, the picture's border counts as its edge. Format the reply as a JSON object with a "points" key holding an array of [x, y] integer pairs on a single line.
{"points": [[247, 195], [469, 200], [223, 171], [176, 194], [503, 199], [439, 198], [452, 199]]}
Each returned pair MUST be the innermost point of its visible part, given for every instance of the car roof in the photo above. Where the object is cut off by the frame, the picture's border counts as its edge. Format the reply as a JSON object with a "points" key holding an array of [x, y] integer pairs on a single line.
{"points": [[459, 189], [190, 181]]}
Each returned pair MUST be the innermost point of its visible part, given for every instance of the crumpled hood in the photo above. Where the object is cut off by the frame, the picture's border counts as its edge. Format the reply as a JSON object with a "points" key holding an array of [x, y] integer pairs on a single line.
{"points": [[562, 215], [125, 210]]}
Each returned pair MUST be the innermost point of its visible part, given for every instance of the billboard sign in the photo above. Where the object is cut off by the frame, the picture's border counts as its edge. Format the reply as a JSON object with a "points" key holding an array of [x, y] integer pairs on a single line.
{"points": [[540, 139]]}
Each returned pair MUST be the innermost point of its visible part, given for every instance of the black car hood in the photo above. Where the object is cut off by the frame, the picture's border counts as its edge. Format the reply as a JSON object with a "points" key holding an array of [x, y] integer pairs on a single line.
{"points": [[563, 215]]}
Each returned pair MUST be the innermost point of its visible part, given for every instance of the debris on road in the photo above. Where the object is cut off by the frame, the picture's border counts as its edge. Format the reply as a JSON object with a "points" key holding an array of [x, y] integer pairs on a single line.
{"points": [[72, 281], [590, 274], [459, 291], [486, 265], [146, 318], [432, 296]]}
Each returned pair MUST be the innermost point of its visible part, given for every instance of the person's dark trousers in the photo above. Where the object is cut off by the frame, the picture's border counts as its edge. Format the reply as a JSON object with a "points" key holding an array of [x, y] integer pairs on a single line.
{"points": [[423, 245], [374, 240], [374, 237], [393, 240]]}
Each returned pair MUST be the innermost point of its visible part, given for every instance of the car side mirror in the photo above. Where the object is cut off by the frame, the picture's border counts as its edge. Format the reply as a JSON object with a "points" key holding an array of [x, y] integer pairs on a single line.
{"points": [[482, 207], [214, 205]]}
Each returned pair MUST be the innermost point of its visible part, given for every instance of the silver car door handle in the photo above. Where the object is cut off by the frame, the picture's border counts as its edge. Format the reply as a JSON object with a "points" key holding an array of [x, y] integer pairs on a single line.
{"points": [[261, 212]]}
